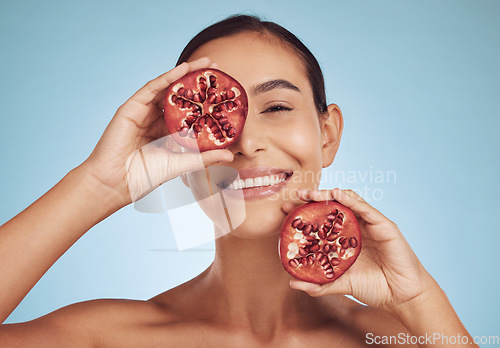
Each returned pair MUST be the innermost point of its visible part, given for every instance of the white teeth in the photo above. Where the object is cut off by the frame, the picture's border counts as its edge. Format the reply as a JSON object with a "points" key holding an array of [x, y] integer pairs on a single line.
{"points": [[249, 183], [256, 182], [266, 181], [273, 180]]}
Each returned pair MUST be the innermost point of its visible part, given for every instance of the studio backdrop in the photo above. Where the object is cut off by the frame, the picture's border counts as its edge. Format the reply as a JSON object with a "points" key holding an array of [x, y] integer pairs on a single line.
{"points": [[417, 82]]}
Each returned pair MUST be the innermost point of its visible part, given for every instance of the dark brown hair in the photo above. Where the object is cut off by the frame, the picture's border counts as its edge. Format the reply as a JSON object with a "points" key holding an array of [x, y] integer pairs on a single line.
{"points": [[241, 23]]}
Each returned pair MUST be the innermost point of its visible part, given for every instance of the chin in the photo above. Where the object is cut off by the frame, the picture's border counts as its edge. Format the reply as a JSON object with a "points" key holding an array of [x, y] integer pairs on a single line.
{"points": [[262, 220]]}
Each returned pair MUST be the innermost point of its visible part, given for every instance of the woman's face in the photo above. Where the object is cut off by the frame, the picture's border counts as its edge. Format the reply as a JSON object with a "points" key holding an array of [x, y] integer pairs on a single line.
{"points": [[282, 134]]}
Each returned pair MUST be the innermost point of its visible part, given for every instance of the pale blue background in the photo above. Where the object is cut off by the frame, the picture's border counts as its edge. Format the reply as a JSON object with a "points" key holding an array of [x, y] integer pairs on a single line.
{"points": [[418, 83]]}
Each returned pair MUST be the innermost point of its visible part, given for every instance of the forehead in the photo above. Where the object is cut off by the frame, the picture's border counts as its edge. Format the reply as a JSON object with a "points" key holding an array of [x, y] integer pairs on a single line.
{"points": [[253, 58]]}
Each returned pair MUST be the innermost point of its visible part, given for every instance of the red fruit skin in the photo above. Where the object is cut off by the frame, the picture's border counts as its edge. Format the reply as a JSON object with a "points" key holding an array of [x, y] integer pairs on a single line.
{"points": [[175, 116], [316, 213]]}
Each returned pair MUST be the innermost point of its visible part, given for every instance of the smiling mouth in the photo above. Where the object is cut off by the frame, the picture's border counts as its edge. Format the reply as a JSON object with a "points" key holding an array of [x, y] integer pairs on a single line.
{"points": [[256, 182]]}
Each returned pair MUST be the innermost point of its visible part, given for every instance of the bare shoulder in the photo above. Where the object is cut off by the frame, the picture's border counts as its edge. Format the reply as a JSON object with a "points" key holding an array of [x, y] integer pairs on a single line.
{"points": [[91, 323], [372, 325]]}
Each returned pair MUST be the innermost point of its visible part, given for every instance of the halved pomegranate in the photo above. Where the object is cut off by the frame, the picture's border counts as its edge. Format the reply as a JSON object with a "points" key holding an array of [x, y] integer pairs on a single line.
{"points": [[319, 241], [205, 109]]}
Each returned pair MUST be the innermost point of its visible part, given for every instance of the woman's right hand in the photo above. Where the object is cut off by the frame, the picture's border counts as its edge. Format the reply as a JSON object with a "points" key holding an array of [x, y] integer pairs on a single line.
{"points": [[116, 161], [33, 240]]}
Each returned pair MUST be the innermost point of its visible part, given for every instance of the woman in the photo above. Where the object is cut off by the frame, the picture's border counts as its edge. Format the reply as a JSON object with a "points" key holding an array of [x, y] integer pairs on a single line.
{"points": [[245, 298]]}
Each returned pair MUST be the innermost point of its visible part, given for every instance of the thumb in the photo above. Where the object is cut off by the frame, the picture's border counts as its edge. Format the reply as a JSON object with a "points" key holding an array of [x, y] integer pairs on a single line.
{"points": [[216, 156], [341, 286], [154, 164], [190, 161]]}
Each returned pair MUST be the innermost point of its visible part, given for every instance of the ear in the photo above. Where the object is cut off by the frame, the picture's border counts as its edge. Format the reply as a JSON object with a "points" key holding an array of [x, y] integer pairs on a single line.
{"points": [[331, 127], [185, 179]]}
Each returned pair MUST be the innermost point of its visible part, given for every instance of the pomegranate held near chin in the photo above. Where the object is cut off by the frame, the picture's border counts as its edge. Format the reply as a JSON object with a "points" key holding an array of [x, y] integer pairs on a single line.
{"points": [[319, 241]]}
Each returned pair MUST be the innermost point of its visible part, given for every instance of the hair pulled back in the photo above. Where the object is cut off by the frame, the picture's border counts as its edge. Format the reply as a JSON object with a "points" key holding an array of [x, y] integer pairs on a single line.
{"points": [[241, 23]]}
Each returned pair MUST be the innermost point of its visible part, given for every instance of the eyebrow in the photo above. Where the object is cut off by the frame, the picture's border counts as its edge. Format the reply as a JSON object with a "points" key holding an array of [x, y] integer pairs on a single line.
{"points": [[274, 84]]}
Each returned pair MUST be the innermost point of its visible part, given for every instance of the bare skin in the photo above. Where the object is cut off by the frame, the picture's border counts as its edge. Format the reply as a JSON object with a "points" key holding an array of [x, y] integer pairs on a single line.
{"points": [[245, 298]]}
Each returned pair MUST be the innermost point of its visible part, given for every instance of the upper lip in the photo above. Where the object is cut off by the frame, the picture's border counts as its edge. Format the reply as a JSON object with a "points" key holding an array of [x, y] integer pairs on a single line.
{"points": [[254, 173]]}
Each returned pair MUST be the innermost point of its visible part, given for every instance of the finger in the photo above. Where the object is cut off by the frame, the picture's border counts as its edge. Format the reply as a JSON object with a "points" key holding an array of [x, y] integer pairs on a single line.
{"points": [[359, 207], [195, 65], [150, 91], [338, 287], [303, 194], [192, 161], [155, 163], [354, 195], [315, 195], [216, 156], [321, 195], [204, 62], [289, 206], [307, 195], [310, 288]]}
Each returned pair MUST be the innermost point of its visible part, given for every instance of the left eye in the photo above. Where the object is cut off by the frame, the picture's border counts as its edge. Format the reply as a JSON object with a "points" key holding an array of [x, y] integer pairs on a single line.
{"points": [[277, 108]]}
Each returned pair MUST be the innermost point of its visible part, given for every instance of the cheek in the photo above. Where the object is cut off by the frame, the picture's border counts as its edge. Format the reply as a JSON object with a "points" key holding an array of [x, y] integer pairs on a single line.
{"points": [[301, 138]]}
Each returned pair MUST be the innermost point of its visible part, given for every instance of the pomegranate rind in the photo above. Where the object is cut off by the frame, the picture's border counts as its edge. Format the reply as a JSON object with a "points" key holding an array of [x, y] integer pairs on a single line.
{"points": [[175, 116], [316, 213]]}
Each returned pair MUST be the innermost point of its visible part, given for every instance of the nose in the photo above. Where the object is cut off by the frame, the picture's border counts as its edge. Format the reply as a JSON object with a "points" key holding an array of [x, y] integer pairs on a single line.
{"points": [[252, 140]]}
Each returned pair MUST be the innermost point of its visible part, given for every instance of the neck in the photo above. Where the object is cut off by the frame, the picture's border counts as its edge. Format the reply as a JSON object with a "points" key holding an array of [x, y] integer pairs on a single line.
{"points": [[250, 286]]}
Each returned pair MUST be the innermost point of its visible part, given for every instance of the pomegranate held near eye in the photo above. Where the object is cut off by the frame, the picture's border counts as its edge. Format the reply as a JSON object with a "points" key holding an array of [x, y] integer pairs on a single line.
{"points": [[205, 109]]}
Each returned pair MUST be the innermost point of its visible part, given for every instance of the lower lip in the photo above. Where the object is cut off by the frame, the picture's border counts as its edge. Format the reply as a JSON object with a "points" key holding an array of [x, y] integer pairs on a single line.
{"points": [[258, 192]]}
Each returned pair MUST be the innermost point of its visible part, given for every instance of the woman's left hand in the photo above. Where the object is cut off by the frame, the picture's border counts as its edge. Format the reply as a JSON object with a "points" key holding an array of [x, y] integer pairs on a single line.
{"points": [[387, 273]]}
